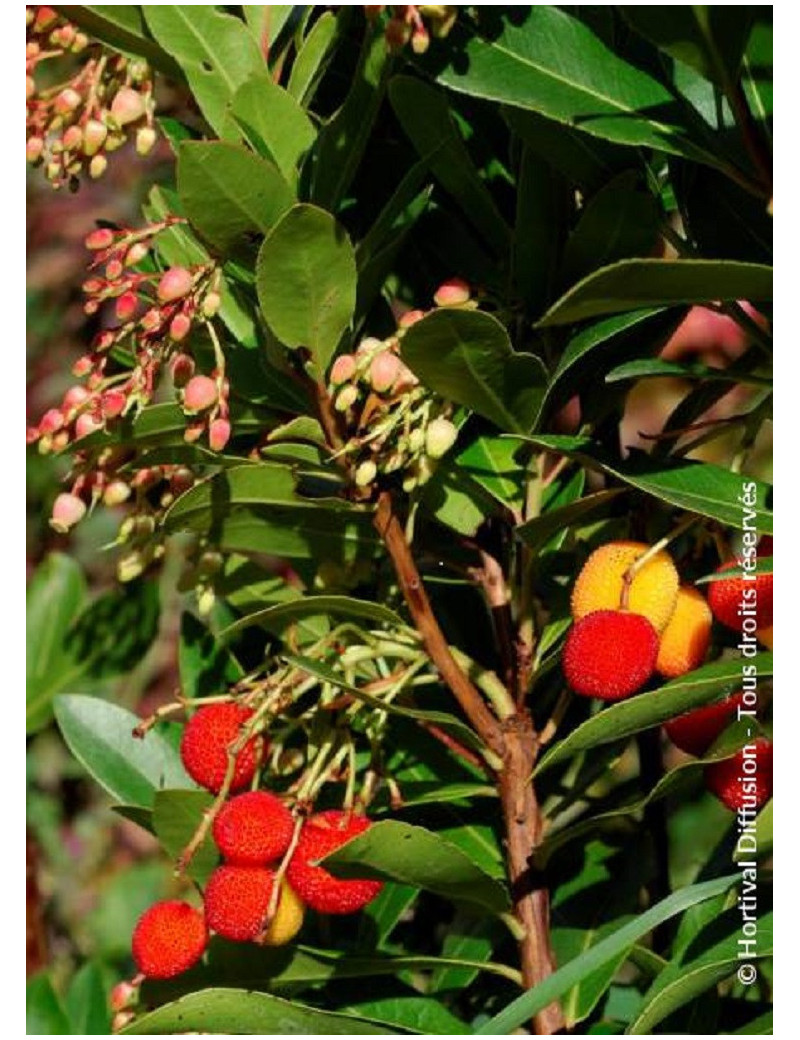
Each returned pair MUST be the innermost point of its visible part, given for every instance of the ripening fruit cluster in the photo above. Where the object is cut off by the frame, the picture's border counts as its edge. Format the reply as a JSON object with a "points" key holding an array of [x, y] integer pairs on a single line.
{"points": [[414, 23], [257, 835], [633, 621], [395, 427]]}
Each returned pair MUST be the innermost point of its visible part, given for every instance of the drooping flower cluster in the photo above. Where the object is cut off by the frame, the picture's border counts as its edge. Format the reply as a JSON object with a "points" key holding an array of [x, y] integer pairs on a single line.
{"points": [[103, 100], [415, 23], [395, 426]]}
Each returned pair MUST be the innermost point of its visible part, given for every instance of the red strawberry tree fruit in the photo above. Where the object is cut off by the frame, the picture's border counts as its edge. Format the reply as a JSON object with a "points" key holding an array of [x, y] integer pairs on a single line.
{"points": [[425, 306]]}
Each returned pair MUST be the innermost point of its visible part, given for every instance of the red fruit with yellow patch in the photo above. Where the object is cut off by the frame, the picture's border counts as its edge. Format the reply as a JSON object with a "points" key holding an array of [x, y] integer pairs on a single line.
{"points": [[610, 654], [752, 595], [253, 829], [695, 731], [208, 735], [168, 939], [316, 886], [237, 901], [744, 781]]}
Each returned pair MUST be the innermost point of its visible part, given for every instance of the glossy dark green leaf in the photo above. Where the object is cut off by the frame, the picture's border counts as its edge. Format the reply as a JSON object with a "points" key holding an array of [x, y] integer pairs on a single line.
{"points": [[702, 35], [55, 597], [396, 851], [623, 719], [273, 122], [206, 667], [230, 195], [493, 462], [282, 615], [472, 937], [654, 283], [540, 529], [216, 51], [176, 817], [100, 736], [426, 119], [306, 281], [711, 957], [552, 63], [44, 1013], [699, 487], [87, 1001], [381, 916], [456, 500], [234, 1011], [619, 221], [122, 27], [658, 368], [567, 976], [466, 356], [412, 1014]]}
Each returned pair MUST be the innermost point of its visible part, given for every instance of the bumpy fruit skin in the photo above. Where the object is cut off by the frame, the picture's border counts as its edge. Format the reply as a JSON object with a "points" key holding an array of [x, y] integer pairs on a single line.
{"points": [[168, 939], [288, 919], [253, 829], [685, 641], [724, 779], [725, 598], [695, 731], [610, 654], [653, 591], [237, 901], [316, 886], [204, 747]]}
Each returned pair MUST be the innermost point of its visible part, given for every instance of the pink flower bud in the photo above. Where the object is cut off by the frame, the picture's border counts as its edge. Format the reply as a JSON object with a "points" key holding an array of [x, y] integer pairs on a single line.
{"points": [[182, 369], [137, 252], [94, 136], [180, 327], [45, 17], [81, 42], [72, 138], [97, 167], [219, 433], [145, 139], [452, 293], [52, 420], [32, 435], [86, 423], [128, 106], [64, 36], [193, 432], [67, 511], [34, 149], [346, 397], [60, 440], [102, 238], [113, 269], [116, 493], [368, 345], [175, 282], [126, 306], [343, 369], [410, 318], [83, 366], [200, 393], [66, 101], [74, 398], [151, 319], [440, 437], [383, 371], [406, 379], [113, 403], [122, 996], [211, 304], [30, 87], [420, 41]]}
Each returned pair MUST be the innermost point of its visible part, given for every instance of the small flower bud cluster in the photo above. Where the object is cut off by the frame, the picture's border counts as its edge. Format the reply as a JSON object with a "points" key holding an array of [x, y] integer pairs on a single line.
{"points": [[202, 567], [153, 315], [74, 124], [414, 24], [395, 425]]}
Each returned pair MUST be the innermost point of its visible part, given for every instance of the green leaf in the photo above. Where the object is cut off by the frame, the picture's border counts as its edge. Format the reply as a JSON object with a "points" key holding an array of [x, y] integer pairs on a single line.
{"points": [[44, 1014], [273, 122], [701, 35], [256, 508], [313, 58], [712, 956], [540, 529], [216, 52], [699, 487], [569, 943], [229, 194], [644, 710], [205, 666], [87, 1002], [569, 975], [397, 851], [266, 22], [761, 1026], [122, 27], [412, 1014], [621, 220], [467, 357], [658, 368], [282, 615], [552, 63], [176, 817], [232, 1011], [100, 736], [456, 500], [55, 597], [306, 281], [425, 116], [654, 283], [472, 938]]}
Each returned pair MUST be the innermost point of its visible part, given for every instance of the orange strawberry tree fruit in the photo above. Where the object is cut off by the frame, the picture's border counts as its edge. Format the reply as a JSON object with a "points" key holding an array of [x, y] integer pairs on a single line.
{"points": [[435, 378]]}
